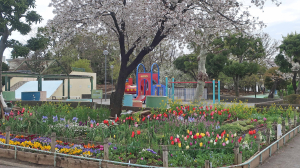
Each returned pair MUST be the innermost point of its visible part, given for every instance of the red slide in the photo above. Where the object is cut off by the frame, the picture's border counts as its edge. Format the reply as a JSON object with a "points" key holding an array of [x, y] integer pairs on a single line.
{"points": [[140, 98]]}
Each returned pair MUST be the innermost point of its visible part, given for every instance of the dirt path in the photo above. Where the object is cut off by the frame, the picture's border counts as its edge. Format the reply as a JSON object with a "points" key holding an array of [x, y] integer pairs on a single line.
{"points": [[286, 157]]}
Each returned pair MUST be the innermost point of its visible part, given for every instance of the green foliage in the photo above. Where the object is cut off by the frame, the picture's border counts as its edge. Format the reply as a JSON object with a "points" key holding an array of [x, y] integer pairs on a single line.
{"points": [[83, 63], [291, 89], [188, 64], [233, 69], [292, 99], [291, 46], [215, 63]]}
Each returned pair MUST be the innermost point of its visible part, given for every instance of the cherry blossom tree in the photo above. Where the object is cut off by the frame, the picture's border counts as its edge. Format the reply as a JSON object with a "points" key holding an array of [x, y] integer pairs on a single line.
{"points": [[140, 25]]}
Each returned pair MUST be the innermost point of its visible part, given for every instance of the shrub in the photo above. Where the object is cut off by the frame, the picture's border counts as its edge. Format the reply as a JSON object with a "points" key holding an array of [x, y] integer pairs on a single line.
{"points": [[292, 99]]}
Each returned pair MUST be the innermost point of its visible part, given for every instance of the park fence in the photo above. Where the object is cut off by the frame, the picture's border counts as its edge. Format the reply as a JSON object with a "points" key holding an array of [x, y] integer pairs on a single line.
{"points": [[185, 94]]}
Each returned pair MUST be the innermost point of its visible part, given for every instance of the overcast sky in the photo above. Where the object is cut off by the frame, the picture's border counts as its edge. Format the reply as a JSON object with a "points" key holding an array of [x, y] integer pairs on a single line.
{"points": [[280, 20]]}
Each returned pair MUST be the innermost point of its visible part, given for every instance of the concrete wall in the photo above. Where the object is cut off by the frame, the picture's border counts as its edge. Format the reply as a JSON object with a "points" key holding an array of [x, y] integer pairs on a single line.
{"points": [[77, 86]]}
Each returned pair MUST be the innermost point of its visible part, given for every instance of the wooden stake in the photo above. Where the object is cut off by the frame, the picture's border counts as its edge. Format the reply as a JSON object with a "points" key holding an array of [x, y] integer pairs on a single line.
{"points": [[106, 157], [236, 151], [7, 134], [207, 164], [53, 141], [165, 156]]}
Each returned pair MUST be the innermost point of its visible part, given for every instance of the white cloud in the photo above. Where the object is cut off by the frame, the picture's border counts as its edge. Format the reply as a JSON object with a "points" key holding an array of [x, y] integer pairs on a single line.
{"points": [[288, 11]]}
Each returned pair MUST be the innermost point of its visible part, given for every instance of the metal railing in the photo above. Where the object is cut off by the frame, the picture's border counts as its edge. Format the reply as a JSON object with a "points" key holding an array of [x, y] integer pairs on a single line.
{"points": [[248, 163]]}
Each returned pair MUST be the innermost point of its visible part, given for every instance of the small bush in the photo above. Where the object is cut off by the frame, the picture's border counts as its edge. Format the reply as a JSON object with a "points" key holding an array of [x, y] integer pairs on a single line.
{"points": [[292, 99]]}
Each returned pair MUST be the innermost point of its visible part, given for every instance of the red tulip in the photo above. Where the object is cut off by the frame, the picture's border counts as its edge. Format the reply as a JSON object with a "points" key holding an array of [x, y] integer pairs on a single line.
{"points": [[254, 131], [132, 134], [195, 136], [144, 119], [199, 136], [171, 138], [216, 140], [138, 132], [255, 137], [187, 136], [172, 143]]}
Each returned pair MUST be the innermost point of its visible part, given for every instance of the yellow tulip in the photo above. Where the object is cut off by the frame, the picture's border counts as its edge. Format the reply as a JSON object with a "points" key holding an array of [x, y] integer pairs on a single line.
{"points": [[197, 134], [188, 131], [179, 145], [187, 147], [201, 144]]}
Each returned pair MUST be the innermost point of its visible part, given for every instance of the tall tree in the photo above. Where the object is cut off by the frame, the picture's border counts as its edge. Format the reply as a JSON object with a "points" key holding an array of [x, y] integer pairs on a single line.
{"points": [[140, 25], [289, 57], [15, 16], [243, 50]]}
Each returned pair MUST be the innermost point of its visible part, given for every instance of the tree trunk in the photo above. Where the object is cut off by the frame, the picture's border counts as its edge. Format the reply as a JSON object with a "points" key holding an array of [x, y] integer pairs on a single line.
{"points": [[2, 48], [201, 78], [272, 91], [236, 85], [294, 82], [117, 100], [298, 89]]}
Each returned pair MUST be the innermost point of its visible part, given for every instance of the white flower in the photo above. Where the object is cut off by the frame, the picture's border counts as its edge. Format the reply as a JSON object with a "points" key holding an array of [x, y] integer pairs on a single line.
{"points": [[234, 134], [227, 142], [215, 143], [177, 136], [219, 137], [211, 141]]}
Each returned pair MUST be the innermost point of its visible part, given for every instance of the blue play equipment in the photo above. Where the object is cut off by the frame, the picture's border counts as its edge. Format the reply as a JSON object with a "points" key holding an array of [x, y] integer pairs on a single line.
{"points": [[147, 83]]}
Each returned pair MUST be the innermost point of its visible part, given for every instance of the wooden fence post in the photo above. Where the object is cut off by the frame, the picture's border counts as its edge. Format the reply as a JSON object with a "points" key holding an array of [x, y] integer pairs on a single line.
{"points": [[290, 122], [165, 156], [295, 119], [106, 157], [236, 151], [268, 132], [207, 164], [53, 141], [258, 141], [283, 126], [7, 134], [240, 158]]}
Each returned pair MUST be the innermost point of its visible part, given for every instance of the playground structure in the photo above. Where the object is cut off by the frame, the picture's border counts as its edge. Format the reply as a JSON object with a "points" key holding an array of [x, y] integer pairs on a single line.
{"points": [[213, 82], [147, 84]]}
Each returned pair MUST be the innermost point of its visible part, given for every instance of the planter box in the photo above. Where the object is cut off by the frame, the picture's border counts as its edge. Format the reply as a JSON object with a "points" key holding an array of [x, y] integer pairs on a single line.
{"points": [[156, 101]]}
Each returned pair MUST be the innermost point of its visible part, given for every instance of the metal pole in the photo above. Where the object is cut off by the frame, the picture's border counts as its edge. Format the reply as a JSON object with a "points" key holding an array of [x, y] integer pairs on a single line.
{"points": [[166, 86], [214, 96], [173, 89], [105, 77], [219, 96]]}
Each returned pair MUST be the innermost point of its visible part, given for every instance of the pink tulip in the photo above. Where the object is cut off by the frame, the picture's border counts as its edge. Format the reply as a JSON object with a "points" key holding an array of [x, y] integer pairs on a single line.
{"points": [[23, 109], [30, 114], [185, 138], [191, 133], [92, 125], [97, 124]]}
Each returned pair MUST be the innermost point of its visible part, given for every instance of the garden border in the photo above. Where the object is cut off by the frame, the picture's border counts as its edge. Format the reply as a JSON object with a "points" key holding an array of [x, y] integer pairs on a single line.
{"points": [[267, 152], [58, 159]]}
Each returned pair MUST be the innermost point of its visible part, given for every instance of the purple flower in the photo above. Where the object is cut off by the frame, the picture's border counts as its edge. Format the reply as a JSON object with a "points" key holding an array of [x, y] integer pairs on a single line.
{"points": [[150, 150], [142, 158], [75, 119], [115, 148]]}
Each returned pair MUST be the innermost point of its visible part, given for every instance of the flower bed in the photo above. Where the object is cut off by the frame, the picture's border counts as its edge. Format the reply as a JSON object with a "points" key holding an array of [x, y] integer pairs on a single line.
{"points": [[193, 134]]}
